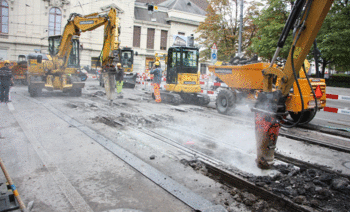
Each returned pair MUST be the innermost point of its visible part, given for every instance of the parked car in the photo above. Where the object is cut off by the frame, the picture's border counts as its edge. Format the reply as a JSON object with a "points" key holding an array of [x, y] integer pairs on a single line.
{"points": [[82, 74]]}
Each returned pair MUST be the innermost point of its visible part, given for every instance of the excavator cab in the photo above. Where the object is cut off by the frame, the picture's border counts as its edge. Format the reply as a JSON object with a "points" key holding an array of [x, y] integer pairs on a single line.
{"points": [[181, 61], [127, 59], [183, 77], [54, 44]]}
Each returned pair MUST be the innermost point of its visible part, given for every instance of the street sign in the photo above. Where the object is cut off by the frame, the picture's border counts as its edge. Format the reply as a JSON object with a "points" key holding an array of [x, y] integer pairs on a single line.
{"points": [[214, 54]]}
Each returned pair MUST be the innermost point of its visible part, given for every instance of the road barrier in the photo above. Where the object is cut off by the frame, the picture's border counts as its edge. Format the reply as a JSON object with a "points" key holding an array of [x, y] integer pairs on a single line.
{"points": [[93, 76], [210, 88], [337, 110], [338, 97]]}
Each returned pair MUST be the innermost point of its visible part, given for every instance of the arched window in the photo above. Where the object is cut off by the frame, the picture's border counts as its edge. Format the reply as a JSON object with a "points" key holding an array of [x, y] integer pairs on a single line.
{"points": [[55, 19], [4, 17]]}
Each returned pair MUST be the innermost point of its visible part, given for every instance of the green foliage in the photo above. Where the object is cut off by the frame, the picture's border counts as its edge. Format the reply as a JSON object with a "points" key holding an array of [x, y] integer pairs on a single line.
{"points": [[221, 26], [270, 25], [339, 80], [333, 39]]}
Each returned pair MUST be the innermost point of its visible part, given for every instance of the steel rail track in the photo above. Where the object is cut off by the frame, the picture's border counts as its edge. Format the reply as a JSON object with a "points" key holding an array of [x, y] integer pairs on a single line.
{"points": [[214, 167], [284, 134], [329, 145]]}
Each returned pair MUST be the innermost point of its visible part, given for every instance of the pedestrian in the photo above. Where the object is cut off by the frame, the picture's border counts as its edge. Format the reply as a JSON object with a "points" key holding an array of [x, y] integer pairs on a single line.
{"points": [[6, 80], [157, 77], [119, 77]]}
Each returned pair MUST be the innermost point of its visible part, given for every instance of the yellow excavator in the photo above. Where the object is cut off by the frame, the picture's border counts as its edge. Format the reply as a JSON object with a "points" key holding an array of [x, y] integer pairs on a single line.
{"points": [[279, 90], [182, 78], [305, 20], [58, 70]]}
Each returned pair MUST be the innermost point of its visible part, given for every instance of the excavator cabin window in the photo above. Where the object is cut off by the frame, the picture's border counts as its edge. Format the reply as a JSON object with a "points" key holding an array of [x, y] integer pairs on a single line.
{"points": [[54, 45], [127, 57]]}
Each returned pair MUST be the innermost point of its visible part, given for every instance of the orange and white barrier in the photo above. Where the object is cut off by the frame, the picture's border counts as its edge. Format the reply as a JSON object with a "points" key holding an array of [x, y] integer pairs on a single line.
{"points": [[93, 76], [338, 97], [337, 110]]}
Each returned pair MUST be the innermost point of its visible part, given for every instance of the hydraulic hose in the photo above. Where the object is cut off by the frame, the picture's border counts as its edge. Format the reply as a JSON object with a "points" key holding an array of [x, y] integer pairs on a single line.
{"points": [[293, 67]]}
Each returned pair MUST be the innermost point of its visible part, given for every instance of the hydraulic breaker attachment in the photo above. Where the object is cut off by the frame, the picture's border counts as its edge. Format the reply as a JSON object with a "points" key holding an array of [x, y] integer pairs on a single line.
{"points": [[109, 82], [269, 110], [266, 134]]}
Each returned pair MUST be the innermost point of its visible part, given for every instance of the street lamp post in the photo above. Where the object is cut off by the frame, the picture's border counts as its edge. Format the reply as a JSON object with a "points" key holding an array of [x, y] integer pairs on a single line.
{"points": [[240, 29]]}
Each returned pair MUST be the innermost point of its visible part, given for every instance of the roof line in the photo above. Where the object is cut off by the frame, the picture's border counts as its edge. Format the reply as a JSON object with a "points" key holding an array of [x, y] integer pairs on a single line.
{"points": [[175, 3]]}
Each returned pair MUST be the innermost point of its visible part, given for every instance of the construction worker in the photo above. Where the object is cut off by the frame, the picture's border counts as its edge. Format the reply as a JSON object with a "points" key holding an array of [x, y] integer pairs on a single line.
{"points": [[119, 77], [157, 78], [6, 80]]}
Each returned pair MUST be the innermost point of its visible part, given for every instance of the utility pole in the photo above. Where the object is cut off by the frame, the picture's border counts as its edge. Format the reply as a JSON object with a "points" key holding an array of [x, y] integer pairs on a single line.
{"points": [[240, 29]]}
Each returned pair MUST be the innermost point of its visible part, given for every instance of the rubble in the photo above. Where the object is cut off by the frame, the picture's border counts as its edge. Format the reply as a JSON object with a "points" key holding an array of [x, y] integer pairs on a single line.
{"points": [[300, 200], [340, 184], [310, 187]]}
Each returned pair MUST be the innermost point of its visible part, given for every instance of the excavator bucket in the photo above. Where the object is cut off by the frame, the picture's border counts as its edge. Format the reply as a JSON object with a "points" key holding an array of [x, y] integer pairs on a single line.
{"points": [[109, 82]]}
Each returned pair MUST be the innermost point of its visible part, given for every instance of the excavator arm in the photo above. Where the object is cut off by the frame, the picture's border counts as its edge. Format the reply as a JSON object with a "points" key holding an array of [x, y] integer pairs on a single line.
{"points": [[305, 20], [77, 23]]}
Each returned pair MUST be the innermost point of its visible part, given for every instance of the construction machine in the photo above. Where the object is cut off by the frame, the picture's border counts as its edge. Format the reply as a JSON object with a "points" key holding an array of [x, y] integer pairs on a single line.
{"points": [[127, 61], [182, 78], [58, 70], [244, 82], [293, 94], [126, 55], [19, 70]]}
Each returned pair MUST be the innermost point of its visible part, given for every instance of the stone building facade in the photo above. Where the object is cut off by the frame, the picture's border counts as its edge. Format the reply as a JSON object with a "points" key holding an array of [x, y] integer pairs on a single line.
{"points": [[26, 24]]}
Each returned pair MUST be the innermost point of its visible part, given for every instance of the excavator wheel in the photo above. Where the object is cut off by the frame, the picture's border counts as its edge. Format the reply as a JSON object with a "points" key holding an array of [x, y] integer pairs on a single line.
{"points": [[175, 99], [307, 116], [203, 99], [225, 101]]}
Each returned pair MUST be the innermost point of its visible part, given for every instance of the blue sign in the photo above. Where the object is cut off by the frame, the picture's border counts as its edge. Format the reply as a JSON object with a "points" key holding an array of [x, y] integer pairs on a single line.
{"points": [[213, 56]]}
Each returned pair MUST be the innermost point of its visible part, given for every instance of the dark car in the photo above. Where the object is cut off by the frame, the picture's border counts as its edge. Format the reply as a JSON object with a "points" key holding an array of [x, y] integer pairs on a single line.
{"points": [[82, 75]]}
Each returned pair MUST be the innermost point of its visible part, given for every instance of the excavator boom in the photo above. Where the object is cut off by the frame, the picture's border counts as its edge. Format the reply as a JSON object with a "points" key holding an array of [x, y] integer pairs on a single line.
{"points": [[305, 20], [78, 23]]}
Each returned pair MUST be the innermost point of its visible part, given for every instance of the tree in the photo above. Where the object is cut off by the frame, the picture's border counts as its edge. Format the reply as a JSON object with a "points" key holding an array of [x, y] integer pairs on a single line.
{"points": [[221, 26], [270, 24], [333, 39]]}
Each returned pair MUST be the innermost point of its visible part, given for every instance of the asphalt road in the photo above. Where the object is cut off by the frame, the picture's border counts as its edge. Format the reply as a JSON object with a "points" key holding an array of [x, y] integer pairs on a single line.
{"points": [[335, 120], [62, 168]]}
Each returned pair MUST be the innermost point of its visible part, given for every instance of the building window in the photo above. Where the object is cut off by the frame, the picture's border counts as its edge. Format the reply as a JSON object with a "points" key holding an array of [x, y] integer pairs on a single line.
{"points": [[4, 17], [181, 33], [163, 39], [137, 36], [150, 38], [55, 20]]}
